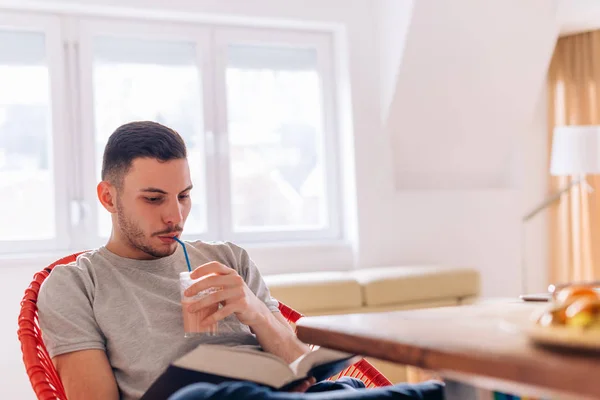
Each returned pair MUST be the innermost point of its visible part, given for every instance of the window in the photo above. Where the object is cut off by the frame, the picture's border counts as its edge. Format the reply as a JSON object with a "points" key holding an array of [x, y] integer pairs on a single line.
{"points": [[275, 134], [158, 80], [31, 206], [255, 108], [274, 125], [25, 138]]}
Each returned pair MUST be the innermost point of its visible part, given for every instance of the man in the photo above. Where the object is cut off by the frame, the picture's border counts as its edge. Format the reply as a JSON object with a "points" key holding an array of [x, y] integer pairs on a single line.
{"points": [[112, 320]]}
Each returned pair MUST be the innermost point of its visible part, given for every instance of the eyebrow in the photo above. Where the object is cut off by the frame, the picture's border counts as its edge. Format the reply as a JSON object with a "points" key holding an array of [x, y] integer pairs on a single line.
{"points": [[156, 190]]}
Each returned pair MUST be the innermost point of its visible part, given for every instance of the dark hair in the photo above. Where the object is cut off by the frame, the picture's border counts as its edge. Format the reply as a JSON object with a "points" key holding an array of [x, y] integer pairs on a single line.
{"points": [[140, 139]]}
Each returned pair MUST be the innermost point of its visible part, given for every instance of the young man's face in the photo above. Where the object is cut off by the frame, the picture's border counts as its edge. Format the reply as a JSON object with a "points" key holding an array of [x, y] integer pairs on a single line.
{"points": [[153, 205]]}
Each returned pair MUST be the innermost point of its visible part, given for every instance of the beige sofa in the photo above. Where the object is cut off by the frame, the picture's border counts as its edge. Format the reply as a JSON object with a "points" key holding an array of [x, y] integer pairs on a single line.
{"points": [[376, 289]]}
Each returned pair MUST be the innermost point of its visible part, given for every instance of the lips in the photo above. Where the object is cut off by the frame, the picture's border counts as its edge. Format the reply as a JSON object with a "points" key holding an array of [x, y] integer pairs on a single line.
{"points": [[169, 237]]}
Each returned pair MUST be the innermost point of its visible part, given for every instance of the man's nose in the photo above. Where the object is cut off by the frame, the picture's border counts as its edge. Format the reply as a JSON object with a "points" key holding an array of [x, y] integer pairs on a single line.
{"points": [[173, 213]]}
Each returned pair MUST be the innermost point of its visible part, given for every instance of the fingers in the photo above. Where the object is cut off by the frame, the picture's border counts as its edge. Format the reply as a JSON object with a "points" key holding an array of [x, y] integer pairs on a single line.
{"points": [[218, 315], [215, 281], [216, 297], [304, 385], [212, 267], [300, 388]]}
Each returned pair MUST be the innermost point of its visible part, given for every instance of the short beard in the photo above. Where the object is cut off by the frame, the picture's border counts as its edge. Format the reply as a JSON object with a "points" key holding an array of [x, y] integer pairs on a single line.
{"points": [[135, 236]]}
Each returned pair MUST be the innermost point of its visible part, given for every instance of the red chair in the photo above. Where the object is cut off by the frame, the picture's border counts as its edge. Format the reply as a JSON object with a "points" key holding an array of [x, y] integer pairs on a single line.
{"points": [[45, 380]]}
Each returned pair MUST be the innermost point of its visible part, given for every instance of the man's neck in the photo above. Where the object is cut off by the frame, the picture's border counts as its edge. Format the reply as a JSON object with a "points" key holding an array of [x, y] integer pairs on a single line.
{"points": [[121, 249]]}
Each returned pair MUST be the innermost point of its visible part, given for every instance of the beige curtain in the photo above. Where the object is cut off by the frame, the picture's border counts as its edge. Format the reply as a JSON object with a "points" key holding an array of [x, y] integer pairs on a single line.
{"points": [[574, 99]]}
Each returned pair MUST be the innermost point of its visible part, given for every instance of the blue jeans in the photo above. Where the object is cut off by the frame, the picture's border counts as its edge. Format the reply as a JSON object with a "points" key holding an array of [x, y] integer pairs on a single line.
{"points": [[343, 388]]}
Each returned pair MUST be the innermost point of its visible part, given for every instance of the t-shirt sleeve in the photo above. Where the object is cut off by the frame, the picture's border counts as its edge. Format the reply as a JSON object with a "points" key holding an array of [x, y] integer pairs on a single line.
{"points": [[248, 270], [65, 311]]}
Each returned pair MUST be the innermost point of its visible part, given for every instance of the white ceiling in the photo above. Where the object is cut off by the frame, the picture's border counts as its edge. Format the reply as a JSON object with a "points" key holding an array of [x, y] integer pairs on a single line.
{"points": [[457, 111], [575, 16]]}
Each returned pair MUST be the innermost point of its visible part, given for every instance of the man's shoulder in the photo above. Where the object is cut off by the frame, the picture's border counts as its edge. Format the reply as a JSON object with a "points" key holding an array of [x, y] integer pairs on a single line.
{"points": [[83, 262], [225, 252], [78, 272], [216, 247]]}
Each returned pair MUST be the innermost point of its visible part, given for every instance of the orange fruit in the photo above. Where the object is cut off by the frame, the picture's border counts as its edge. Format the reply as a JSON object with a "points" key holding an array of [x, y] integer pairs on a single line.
{"points": [[570, 294], [554, 316], [583, 312]]}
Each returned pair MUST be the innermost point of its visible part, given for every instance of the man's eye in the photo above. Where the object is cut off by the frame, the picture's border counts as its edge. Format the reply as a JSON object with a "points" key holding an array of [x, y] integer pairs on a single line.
{"points": [[152, 199], [184, 196]]}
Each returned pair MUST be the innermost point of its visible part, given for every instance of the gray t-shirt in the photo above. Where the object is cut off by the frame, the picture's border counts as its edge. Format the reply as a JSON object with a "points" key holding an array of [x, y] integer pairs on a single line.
{"points": [[132, 310]]}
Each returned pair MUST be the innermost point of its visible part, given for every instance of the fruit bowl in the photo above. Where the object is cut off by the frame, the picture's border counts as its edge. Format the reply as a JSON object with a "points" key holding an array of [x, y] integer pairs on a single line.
{"points": [[567, 337], [571, 320]]}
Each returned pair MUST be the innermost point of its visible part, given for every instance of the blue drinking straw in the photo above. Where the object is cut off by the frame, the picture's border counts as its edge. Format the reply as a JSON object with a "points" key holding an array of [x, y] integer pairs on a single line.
{"points": [[187, 259]]}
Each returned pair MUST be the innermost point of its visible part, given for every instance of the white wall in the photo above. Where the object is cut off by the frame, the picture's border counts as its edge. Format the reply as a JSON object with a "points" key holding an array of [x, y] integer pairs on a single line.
{"points": [[13, 282], [393, 21], [450, 187], [535, 251], [459, 109]]}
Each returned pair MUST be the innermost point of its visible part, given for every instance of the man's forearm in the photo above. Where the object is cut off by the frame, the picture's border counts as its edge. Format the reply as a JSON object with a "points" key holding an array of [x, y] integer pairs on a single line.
{"points": [[279, 339]]}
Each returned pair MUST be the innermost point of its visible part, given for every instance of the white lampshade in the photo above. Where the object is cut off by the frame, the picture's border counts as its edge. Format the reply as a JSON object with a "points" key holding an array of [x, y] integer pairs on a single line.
{"points": [[575, 150]]}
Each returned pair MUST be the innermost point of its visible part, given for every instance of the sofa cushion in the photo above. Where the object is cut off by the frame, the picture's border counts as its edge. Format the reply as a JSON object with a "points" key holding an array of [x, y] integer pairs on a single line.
{"points": [[398, 285], [316, 291], [384, 308]]}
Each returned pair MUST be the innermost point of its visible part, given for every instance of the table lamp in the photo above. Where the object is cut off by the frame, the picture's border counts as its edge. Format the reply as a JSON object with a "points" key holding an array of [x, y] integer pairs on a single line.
{"points": [[575, 152]]}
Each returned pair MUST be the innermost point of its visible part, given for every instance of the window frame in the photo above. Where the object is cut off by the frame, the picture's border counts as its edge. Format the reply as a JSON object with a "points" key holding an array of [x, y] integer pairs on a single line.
{"points": [[87, 28], [322, 43], [68, 44], [50, 26]]}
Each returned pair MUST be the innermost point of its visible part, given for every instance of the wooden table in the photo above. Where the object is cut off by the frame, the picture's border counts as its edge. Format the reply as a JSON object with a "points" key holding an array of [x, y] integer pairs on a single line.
{"points": [[478, 345]]}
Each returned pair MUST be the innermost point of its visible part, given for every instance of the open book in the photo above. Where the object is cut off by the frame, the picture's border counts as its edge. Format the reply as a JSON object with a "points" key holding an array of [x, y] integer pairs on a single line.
{"points": [[217, 363]]}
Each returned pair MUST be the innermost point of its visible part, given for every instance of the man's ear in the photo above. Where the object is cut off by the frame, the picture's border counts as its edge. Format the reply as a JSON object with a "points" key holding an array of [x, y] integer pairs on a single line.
{"points": [[107, 194]]}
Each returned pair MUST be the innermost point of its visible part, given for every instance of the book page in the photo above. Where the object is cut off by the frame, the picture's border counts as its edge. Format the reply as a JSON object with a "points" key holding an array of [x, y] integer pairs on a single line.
{"points": [[319, 356], [238, 363]]}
